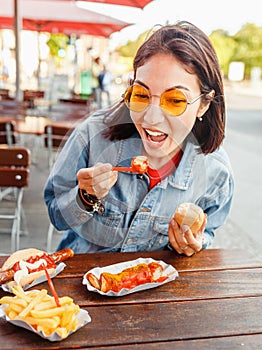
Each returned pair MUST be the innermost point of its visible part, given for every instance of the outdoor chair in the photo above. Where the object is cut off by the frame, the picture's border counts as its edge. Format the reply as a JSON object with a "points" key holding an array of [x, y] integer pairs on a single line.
{"points": [[13, 109], [14, 174], [7, 133], [49, 238], [4, 94], [64, 111], [31, 95], [55, 135], [8, 138], [54, 138]]}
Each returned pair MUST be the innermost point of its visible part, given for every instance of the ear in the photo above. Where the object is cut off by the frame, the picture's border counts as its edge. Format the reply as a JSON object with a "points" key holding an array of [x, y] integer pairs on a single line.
{"points": [[205, 105]]}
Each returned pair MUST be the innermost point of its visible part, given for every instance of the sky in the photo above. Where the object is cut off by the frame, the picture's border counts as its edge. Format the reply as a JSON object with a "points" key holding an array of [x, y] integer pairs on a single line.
{"points": [[208, 15]]}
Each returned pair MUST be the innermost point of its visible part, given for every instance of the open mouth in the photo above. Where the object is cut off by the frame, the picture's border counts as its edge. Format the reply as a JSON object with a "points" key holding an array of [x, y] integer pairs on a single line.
{"points": [[155, 136]]}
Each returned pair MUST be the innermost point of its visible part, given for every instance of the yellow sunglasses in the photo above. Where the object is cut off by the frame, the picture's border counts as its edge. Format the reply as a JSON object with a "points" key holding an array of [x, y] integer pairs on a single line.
{"points": [[172, 101]]}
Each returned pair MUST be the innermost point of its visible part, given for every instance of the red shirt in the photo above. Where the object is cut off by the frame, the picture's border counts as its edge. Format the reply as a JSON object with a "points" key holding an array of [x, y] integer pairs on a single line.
{"points": [[158, 175]]}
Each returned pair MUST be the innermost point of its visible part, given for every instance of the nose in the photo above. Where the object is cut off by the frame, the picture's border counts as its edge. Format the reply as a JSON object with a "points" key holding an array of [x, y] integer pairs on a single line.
{"points": [[155, 100], [154, 114]]}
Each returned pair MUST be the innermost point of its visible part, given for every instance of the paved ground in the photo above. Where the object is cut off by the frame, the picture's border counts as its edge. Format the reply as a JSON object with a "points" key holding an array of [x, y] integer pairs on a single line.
{"points": [[239, 228], [244, 146]]}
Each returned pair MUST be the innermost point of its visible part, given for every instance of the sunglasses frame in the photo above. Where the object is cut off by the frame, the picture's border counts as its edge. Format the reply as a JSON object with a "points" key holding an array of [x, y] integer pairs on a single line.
{"points": [[160, 96]]}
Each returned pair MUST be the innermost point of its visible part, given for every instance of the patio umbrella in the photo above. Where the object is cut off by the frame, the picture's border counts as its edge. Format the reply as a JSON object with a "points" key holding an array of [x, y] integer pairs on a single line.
{"points": [[133, 3], [58, 17], [55, 17]]}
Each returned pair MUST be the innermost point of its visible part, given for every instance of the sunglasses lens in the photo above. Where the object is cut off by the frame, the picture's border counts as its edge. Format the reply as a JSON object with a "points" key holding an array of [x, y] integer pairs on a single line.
{"points": [[173, 102], [136, 98]]}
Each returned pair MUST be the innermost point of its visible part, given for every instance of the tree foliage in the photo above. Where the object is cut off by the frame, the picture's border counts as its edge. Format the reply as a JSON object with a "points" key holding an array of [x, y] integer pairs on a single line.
{"points": [[130, 49], [244, 46], [55, 43], [249, 47], [225, 47]]}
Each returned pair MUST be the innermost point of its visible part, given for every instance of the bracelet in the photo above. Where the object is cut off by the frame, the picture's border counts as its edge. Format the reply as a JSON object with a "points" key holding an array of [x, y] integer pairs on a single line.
{"points": [[91, 203], [88, 198]]}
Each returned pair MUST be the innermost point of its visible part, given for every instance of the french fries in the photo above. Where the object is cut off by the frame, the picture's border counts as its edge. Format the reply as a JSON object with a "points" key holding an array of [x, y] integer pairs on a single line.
{"points": [[39, 309]]}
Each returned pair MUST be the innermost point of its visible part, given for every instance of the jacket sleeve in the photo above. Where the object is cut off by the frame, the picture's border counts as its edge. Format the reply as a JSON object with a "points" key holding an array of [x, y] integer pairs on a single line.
{"points": [[217, 205], [60, 193]]}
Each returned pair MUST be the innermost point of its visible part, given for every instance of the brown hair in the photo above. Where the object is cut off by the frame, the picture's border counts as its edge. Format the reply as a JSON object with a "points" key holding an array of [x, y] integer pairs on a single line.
{"points": [[194, 50]]}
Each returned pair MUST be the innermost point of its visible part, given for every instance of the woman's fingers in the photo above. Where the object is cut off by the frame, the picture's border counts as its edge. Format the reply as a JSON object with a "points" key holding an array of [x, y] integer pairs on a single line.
{"points": [[195, 240], [97, 180], [183, 240], [173, 233], [194, 243], [101, 186]]}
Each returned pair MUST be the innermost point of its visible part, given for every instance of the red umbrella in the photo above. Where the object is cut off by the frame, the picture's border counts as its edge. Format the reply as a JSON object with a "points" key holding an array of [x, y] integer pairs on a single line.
{"points": [[53, 16], [58, 17], [133, 3]]}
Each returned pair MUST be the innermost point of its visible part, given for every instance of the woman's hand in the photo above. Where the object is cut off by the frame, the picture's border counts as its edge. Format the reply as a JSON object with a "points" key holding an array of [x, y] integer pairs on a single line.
{"points": [[97, 180], [183, 240]]}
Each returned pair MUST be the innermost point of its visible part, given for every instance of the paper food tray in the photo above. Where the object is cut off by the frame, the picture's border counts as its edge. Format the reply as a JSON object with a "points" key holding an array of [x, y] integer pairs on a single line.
{"points": [[168, 270], [82, 317], [60, 267]]}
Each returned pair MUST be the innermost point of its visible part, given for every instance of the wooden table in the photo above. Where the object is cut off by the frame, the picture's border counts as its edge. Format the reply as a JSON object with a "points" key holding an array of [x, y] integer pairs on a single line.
{"points": [[82, 99], [28, 124], [35, 125], [215, 303]]}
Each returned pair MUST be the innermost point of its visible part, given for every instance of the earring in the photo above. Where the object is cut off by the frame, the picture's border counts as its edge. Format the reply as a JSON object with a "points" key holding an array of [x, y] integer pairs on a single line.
{"points": [[200, 119]]}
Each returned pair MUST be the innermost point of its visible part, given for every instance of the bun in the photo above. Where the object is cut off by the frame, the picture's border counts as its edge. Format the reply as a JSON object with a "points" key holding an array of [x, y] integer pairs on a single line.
{"points": [[28, 279], [21, 254], [191, 215], [24, 254]]}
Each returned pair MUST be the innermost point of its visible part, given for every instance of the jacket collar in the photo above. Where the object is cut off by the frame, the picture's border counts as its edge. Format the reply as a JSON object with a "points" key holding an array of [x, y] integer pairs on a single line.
{"points": [[180, 179]]}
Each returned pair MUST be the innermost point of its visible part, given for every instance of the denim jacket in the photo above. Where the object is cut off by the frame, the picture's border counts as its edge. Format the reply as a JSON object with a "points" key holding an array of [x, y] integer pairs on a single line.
{"points": [[134, 218]]}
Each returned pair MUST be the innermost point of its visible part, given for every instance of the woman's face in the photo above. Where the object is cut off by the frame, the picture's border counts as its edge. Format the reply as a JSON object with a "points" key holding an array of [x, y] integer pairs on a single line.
{"points": [[161, 133]]}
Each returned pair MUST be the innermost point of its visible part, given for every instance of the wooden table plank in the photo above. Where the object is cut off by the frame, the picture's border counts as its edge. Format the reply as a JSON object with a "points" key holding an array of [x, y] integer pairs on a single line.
{"points": [[132, 324], [188, 286], [225, 343], [214, 259], [137, 324]]}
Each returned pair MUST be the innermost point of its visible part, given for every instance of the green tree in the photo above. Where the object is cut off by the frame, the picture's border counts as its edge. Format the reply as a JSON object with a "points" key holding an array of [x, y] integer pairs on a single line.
{"points": [[249, 47], [130, 49], [56, 43], [245, 46], [225, 47]]}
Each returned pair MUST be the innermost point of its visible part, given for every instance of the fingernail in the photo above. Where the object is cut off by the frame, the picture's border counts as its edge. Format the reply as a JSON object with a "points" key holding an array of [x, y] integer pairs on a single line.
{"points": [[108, 167], [184, 228]]}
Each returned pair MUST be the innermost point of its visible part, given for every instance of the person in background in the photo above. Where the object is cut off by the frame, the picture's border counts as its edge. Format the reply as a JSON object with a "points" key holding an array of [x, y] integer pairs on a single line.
{"points": [[105, 80], [96, 70], [173, 112]]}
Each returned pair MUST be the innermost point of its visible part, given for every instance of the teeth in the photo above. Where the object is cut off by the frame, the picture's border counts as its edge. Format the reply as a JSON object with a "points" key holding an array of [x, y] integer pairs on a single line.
{"points": [[154, 133]]}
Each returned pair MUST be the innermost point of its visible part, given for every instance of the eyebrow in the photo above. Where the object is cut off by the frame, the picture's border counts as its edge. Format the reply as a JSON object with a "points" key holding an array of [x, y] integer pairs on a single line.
{"points": [[141, 83], [172, 87]]}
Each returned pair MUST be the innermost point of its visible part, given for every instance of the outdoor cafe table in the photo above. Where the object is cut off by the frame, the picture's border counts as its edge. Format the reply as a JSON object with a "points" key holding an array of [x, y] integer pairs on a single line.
{"points": [[215, 303], [34, 125]]}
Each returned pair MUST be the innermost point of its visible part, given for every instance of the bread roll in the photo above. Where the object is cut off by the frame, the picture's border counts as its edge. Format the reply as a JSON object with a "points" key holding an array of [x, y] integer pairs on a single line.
{"points": [[191, 215], [19, 255], [24, 254]]}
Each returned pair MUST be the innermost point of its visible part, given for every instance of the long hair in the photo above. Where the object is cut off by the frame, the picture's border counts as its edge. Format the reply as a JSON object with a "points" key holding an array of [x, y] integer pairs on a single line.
{"points": [[194, 50]]}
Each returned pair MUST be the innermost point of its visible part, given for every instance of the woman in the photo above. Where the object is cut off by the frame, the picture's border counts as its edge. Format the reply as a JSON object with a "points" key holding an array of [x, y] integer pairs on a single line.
{"points": [[173, 113]]}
